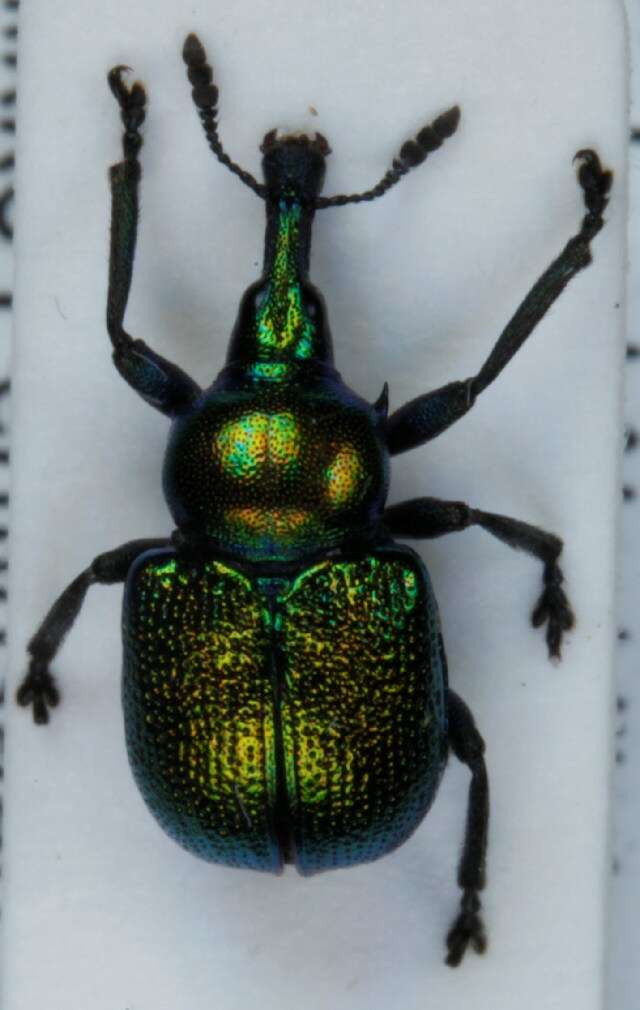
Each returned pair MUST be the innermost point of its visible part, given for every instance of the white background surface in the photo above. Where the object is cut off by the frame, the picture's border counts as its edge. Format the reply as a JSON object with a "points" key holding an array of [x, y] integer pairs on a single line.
{"points": [[102, 909]]}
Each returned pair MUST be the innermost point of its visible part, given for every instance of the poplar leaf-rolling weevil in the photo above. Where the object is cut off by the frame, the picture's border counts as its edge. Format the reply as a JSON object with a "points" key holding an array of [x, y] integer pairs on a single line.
{"points": [[285, 685]]}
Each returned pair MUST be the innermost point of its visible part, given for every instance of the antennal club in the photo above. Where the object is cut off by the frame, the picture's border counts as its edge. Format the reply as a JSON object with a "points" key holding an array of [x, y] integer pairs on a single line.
{"points": [[412, 153], [205, 98]]}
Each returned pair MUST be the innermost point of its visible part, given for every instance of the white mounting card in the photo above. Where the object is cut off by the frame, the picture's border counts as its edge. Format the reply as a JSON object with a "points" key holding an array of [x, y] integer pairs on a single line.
{"points": [[102, 910]]}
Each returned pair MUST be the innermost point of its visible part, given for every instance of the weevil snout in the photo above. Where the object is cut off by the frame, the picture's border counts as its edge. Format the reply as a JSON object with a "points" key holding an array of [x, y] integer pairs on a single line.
{"points": [[294, 165]]}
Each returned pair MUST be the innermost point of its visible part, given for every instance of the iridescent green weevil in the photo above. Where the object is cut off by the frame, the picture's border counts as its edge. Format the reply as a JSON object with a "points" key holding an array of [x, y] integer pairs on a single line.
{"points": [[285, 684]]}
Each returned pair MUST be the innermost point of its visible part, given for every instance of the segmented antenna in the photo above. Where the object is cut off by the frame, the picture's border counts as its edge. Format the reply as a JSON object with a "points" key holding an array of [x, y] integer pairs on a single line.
{"points": [[205, 98], [412, 153]]}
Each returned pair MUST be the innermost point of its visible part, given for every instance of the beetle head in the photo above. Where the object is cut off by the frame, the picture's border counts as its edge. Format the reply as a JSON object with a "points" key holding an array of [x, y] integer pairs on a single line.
{"points": [[294, 166]]}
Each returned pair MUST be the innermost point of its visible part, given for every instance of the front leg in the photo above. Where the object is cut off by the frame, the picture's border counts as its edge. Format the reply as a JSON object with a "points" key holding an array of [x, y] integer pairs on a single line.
{"points": [[158, 381], [38, 688], [428, 416], [424, 518]]}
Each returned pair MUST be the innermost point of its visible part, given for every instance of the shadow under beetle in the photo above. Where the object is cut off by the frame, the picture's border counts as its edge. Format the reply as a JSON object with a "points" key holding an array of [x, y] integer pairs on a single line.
{"points": [[285, 684]]}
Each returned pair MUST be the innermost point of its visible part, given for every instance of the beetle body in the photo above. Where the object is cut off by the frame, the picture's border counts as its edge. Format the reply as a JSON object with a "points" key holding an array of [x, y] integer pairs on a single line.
{"points": [[285, 703], [278, 470], [285, 687]]}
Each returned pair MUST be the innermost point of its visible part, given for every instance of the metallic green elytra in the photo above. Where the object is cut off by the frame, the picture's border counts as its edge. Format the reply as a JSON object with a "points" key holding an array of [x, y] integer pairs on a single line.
{"points": [[285, 687], [299, 718]]}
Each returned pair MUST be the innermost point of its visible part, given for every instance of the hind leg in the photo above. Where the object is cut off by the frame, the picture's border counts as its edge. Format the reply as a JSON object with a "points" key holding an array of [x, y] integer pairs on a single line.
{"points": [[468, 746]]}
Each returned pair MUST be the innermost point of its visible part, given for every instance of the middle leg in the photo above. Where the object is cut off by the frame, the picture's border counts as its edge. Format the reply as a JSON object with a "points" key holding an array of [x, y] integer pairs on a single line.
{"points": [[424, 518]]}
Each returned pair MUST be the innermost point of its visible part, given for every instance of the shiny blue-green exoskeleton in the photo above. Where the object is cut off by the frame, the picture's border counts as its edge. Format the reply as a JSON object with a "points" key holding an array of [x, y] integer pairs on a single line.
{"points": [[285, 687]]}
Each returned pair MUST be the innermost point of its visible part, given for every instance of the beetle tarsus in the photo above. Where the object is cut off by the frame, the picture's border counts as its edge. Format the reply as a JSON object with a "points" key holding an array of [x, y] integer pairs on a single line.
{"points": [[554, 609], [132, 101], [596, 182], [467, 930], [39, 690]]}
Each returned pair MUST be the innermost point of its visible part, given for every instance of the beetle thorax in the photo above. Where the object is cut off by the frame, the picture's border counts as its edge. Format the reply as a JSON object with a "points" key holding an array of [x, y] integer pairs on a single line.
{"points": [[277, 471]]}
